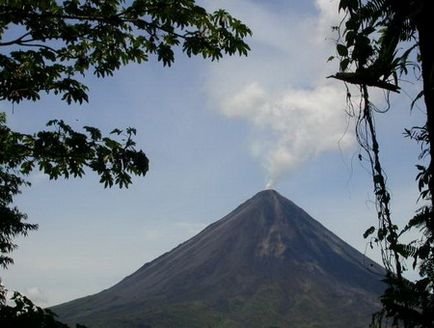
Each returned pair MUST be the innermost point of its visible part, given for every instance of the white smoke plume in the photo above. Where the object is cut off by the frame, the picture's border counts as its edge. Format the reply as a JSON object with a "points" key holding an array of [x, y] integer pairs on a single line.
{"points": [[281, 89], [293, 125], [36, 295]]}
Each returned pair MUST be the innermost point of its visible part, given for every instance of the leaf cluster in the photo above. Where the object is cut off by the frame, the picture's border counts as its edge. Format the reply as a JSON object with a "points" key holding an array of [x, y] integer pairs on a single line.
{"points": [[48, 46], [60, 151], [375, 48], [45, 44], [369, 48], [24, 313]]}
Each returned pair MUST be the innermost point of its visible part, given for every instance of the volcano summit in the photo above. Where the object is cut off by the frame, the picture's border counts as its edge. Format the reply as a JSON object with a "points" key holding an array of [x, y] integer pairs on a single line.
{"points": [[266, 264]]}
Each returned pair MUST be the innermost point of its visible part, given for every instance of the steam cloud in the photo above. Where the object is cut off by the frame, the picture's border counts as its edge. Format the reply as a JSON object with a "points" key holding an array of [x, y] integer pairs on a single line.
{"points": [[281, 91], [36, 295], [293, 126]]}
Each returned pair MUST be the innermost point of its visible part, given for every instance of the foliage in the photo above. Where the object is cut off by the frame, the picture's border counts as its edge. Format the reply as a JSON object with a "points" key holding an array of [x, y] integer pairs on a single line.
{"points": [[48, 43], [26, 314], [49, 46], [381, 41], [62, 152]]}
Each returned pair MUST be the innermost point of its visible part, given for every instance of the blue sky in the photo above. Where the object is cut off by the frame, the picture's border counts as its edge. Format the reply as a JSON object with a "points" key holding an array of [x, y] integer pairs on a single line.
{"points": [[216, 133]]}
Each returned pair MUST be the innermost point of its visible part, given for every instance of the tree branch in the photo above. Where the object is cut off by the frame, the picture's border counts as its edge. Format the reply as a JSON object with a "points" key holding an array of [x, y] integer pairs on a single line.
{"points": [[18, 40]]}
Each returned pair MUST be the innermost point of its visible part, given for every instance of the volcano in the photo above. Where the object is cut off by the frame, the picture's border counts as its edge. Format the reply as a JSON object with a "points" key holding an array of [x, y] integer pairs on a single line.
{"points": [[266, 264]]}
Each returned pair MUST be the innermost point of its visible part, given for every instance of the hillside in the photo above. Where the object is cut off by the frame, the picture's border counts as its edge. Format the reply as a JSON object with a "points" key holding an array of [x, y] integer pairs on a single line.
{"points": [[266, 264]]}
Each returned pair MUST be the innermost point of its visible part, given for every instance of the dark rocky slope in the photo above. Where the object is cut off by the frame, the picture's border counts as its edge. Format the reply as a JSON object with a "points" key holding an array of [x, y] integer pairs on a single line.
{"points": [[266, 264]]}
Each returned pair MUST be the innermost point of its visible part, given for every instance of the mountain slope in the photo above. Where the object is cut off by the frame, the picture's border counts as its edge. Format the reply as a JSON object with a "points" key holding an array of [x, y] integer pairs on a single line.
{"points": [[266, 264]]}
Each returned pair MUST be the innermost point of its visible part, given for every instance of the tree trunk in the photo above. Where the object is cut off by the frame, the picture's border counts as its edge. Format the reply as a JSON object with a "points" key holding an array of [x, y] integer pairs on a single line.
{"points": [[425, 26]]}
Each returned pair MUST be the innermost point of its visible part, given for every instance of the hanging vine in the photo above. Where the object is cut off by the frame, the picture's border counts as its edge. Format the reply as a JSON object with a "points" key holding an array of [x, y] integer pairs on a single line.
{"points": [[379, 41]]}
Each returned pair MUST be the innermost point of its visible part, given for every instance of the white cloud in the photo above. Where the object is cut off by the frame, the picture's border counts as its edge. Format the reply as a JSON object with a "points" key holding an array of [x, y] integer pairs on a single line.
{"points": [[36, 295], [281, 89], [293, 125], [328, 17]]}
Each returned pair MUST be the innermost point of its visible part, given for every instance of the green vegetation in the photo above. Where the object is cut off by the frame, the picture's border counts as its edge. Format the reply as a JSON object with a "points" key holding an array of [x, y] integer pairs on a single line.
{"points": [[48, 46], [25, 314], [380, 42]]}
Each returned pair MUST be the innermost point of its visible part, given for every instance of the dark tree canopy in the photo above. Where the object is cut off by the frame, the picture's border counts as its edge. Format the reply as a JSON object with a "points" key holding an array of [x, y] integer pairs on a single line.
{"points": [[46, 43], [49, 46], [381, 41], [59, 152], [26, 314]]}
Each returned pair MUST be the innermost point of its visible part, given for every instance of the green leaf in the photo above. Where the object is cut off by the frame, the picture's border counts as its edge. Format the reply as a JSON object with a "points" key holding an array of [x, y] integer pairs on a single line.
{"points": [[369, 232], [419, 95], [343, 65], [342, 50]]}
